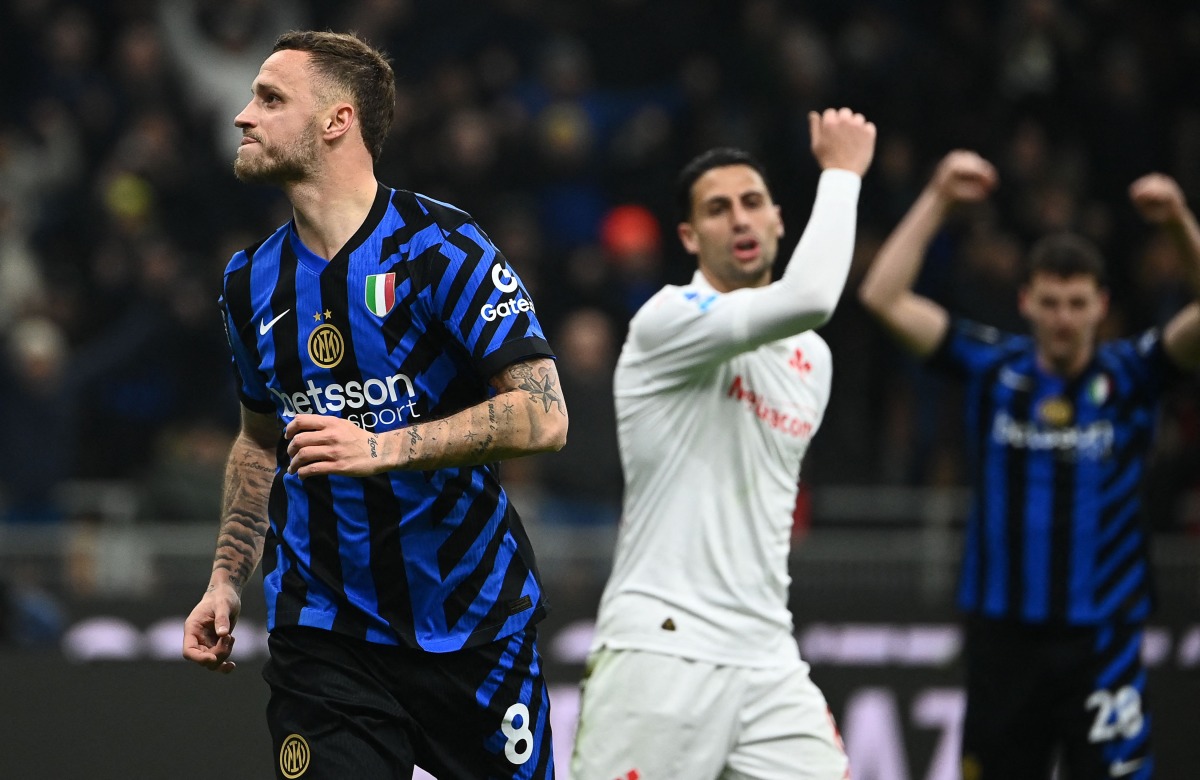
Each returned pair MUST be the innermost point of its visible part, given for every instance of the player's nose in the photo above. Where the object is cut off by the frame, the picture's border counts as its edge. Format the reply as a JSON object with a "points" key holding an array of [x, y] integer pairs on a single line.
{"points": [[244, 118]]}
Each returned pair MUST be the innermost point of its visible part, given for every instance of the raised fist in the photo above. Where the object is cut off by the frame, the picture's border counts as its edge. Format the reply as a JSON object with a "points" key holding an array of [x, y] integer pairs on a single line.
{"points": [[842, 139], [964, 176], [1158, 198]]}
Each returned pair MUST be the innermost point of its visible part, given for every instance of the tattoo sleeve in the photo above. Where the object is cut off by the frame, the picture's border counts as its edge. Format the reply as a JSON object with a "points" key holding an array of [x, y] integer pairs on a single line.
{"points": [[526, 416], [539, 384], [249, 473]]}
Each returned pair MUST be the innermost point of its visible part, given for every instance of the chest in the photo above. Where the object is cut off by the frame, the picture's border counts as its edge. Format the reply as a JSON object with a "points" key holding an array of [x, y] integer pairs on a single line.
{"points": [[779, 390], [1082, 419]]}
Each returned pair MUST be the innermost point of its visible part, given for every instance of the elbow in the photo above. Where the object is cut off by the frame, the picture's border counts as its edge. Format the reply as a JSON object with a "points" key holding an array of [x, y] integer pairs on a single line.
{"points": [[868, 296], [821, 311], [552, 436]]}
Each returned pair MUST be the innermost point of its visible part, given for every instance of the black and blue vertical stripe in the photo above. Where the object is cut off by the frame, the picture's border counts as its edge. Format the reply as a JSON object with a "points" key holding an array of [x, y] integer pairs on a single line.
{"points": [[1055, 533], [1122, 722], [437, 560], [524, 739]]}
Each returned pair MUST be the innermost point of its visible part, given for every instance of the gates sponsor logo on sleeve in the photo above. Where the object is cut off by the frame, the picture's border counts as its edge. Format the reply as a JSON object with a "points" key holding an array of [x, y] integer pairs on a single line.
{"points": [[504, 281], [492, 312]]}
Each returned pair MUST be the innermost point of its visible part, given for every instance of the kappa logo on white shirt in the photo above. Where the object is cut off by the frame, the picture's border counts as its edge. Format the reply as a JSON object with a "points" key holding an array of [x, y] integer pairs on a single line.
{"points": [[703, 302]]}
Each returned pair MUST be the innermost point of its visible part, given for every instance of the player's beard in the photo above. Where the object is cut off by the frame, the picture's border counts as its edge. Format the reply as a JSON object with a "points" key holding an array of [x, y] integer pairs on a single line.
{"points": [[285, 164]]}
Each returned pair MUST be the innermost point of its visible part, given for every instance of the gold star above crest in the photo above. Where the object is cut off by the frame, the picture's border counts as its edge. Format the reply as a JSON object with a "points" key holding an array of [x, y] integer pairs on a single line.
{"points": [[317, 317], [328, 314]]}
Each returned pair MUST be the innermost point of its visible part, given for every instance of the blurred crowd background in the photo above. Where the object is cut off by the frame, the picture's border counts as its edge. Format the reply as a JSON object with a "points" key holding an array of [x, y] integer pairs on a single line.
{"points": [[560, 125]]}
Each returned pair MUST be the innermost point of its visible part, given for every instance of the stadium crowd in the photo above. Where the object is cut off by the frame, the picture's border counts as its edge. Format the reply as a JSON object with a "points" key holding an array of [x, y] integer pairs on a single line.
{"points": [[560, 126]]}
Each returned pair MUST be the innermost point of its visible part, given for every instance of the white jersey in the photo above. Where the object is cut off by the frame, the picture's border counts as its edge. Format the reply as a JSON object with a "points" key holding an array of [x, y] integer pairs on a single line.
{"points": [[717, 399]]}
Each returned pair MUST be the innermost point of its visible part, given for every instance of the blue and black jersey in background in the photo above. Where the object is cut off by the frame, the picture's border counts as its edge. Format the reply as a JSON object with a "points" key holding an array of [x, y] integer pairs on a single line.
{"points": [[1055, 533], [407, 323]]}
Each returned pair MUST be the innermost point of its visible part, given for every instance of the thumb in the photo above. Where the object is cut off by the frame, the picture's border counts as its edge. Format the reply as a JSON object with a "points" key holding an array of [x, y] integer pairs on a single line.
{"points": [[221, 623], [814, 126]]}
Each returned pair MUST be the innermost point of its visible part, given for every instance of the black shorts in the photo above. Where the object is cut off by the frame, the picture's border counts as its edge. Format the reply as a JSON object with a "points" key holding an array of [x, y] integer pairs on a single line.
{"points": [[1035, 693], [346, 709]]}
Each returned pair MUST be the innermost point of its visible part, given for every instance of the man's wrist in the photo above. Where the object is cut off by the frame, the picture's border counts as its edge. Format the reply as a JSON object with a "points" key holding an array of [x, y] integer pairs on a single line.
{"points": [[222, 578], [937, 199]]}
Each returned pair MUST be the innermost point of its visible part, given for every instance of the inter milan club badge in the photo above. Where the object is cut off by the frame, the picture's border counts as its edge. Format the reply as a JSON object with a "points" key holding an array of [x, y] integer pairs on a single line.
{"points": [[381, 293], [1056, 412], [294, 756], [325, 343]]}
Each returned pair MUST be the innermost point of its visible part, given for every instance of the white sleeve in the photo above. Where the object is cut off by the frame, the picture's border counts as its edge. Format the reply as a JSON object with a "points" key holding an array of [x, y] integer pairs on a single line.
{"points": [[686, 330]]}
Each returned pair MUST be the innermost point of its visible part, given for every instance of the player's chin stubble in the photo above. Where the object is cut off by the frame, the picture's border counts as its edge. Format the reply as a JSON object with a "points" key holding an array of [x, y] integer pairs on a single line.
{"points": [[289, 164]]}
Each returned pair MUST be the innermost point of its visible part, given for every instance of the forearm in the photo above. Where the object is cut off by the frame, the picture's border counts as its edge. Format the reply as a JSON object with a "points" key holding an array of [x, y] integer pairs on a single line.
{"points": [[510, 425], [249, 474], [1185, 231], [895, 268], [1181, 335]]}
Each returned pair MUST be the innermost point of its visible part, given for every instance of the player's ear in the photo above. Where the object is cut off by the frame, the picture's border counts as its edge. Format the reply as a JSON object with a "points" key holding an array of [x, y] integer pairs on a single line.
{"points": [[338, 120], [687, 237], [1023, 300]]}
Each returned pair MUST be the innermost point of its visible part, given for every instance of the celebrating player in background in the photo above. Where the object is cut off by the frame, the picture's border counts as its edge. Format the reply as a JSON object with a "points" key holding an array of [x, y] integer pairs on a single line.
{"points": [[401, 589], [721, 384], [1055, 578]]}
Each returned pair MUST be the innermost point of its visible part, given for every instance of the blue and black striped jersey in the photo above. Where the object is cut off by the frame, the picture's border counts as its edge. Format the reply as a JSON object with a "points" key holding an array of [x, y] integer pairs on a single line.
{"points": [[1055, 533], [408, 322]]}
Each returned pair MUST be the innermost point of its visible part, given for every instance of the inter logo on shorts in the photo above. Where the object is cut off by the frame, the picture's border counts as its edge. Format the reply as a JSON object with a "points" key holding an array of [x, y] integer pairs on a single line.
{"points": [[381, 293], [294, 756]]}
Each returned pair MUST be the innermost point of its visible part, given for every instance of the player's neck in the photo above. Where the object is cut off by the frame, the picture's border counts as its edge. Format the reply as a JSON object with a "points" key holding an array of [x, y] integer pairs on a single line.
{"points": [[330, 209], [1066, 367]]}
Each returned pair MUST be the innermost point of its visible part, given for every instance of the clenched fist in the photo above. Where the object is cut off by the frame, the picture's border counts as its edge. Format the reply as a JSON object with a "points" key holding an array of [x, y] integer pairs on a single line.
{"points": [[843, 139]]}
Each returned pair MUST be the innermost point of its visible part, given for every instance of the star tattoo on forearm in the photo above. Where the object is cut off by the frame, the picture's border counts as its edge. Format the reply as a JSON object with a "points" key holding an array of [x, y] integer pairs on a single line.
{"points": [[539, 388]]}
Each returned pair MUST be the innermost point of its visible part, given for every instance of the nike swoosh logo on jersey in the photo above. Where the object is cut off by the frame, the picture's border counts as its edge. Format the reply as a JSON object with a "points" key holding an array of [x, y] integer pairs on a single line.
{"points": [[264, 326], [1122, 768]]}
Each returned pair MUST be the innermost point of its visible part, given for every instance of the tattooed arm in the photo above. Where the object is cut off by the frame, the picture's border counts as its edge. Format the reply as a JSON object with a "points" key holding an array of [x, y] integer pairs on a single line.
{"points": [[527, 415], [249, 472]]}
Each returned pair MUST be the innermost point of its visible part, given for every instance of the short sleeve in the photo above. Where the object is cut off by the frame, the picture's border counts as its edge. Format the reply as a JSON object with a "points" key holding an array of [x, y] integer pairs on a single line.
{"points": [[251, 388], [482, 303], [970, 348]]}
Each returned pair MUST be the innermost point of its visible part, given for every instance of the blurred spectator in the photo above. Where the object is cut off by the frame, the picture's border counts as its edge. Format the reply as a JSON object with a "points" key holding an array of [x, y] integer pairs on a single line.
{"points": [[21, 287], [185, 478], [581, 484], [39, 162], [30, 617], [218, 46], [632, 241], [118, 210], [38, 419]]}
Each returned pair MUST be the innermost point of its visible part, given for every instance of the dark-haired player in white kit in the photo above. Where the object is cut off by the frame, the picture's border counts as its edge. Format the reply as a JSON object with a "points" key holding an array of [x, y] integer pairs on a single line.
{"points": [[694, 671]]}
